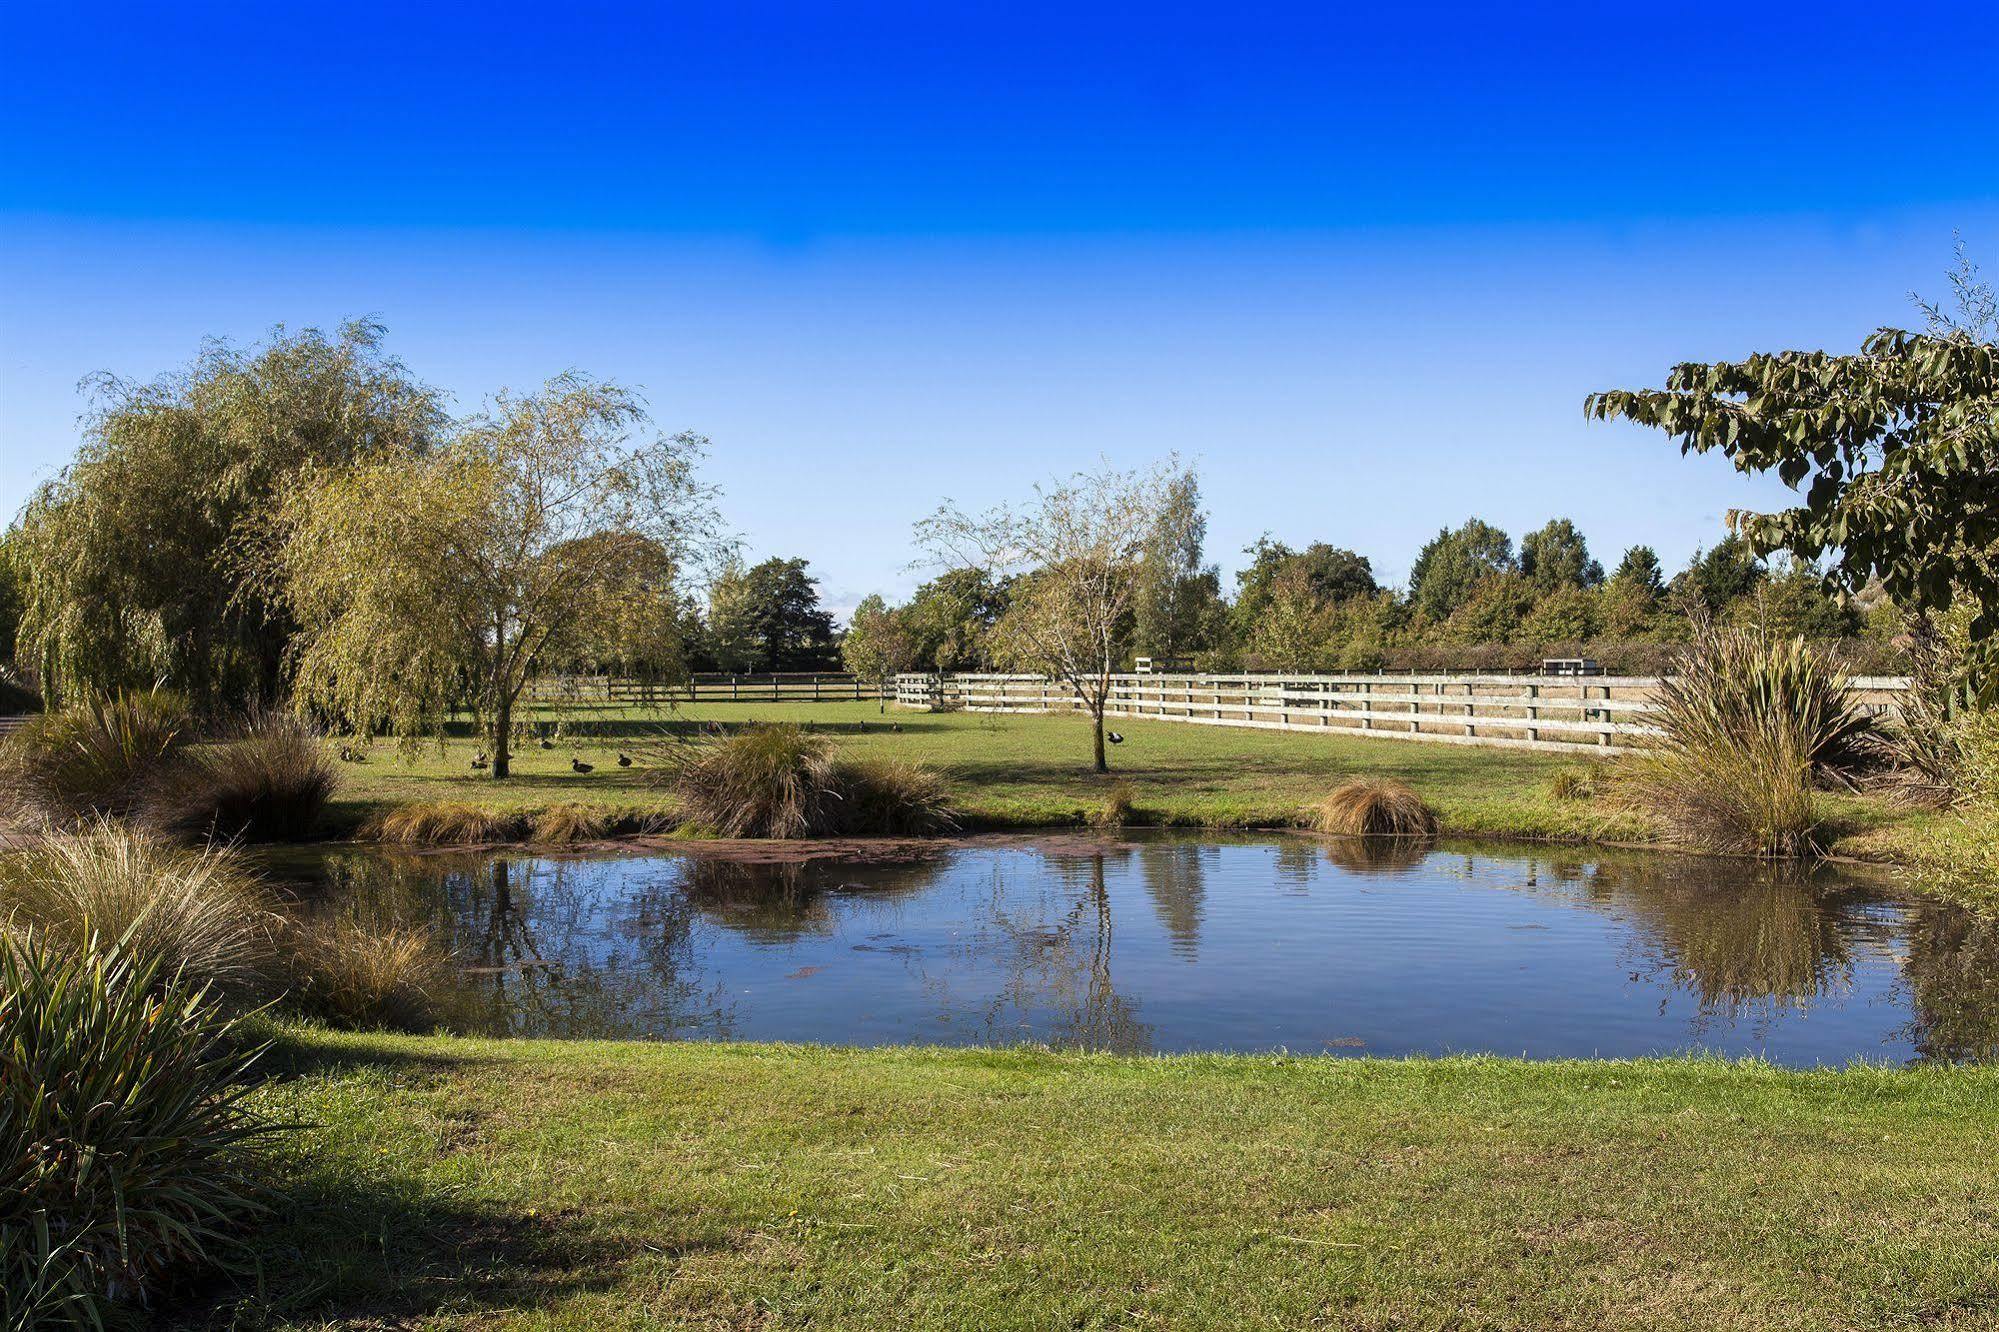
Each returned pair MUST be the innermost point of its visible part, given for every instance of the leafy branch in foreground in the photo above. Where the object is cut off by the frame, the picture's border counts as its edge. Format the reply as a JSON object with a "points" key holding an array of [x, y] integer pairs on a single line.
{"points": [[1895, 452]]}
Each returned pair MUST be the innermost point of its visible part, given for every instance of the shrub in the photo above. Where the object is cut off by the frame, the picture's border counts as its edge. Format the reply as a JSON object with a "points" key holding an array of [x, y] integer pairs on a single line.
{"points": [[94, 759], [1374, 807], [126, 1152], [783, 782], [354, 972], [442, 823], [893, 797], [269, 783], [202, 915], [1116, 809], [1748, 725]]}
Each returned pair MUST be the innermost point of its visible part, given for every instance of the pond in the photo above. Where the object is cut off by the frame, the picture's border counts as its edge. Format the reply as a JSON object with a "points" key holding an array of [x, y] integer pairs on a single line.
{"points": [[1167, 942]]}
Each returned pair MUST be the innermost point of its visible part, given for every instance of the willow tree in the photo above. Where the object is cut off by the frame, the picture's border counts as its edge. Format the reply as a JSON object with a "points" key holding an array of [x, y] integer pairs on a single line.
{"points": [[551, 528], [1894, 453], [129, 563], [1076, 551]]}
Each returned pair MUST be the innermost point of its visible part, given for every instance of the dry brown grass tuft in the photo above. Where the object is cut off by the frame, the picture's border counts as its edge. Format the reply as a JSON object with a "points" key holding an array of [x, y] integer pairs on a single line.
{"points": [[356, 973], [1116, 809], [1374, 807], [782, 782], [442, 823], [203, 915]]}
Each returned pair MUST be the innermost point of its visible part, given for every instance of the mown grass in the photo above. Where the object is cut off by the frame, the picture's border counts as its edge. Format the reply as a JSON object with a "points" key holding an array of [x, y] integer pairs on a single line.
{"points": [[1032, 771], [456, 1183]]}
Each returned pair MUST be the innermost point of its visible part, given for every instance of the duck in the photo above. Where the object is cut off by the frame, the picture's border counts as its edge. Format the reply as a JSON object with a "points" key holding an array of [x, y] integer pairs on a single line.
{"points": [[896, 727], [1114, 737], [624, 760], [547, 743], [578, 765], [480, 762]]}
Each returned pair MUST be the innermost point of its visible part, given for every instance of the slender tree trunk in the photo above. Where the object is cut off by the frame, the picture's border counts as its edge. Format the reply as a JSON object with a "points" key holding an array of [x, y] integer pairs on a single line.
{"points": [[1097, 717], [503, 729]]}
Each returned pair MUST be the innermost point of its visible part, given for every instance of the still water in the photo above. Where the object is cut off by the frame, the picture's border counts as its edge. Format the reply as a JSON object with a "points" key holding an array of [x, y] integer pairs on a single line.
{"points": [[1167, 942]]}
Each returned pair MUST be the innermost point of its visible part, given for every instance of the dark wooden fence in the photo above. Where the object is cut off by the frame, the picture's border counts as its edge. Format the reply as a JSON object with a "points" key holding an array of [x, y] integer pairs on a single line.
{"points": [[793, 687]]}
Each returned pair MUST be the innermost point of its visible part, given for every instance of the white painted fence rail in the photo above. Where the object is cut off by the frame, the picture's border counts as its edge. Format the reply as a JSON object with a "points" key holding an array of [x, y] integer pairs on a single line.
{"points": [[1595, 714]]}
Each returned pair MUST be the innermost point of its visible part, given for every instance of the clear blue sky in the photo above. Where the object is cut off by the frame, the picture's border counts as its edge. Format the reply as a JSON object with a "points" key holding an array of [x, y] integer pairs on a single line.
{"points": [[1361, 266]]}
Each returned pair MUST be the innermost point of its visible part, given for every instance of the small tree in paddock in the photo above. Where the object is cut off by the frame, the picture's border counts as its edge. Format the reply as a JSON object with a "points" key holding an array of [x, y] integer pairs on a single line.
{"points": [[545, 530], [1077, 551], [877, 645]]}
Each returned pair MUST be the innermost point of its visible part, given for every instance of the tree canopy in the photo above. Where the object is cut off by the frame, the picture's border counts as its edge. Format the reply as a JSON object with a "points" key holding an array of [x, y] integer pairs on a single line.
{"points": [[132, 562], [547, 529], [877, 644], [1451, 565], [767, 618], [1894, 452], [1075, 553], [1556, 556]]}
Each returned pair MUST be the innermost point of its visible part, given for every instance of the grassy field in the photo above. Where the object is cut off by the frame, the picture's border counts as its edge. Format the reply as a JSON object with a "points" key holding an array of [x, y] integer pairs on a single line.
{"points": [[460, 1184], [1021, 771]]}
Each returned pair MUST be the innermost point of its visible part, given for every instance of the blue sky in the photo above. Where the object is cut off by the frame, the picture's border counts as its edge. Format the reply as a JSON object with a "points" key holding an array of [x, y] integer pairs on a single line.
{"points": [[1361, 266]]}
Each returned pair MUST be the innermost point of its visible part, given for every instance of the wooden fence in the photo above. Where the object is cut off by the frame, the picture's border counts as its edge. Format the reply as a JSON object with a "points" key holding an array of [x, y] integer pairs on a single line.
{"points": [[613, 690], [1588, 713]]}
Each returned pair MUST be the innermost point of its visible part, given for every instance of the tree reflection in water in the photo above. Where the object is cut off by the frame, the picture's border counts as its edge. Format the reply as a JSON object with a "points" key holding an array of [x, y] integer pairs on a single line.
{"points": [[1057, 964], [1743, 938], [1022, 940], [1952, 972]]}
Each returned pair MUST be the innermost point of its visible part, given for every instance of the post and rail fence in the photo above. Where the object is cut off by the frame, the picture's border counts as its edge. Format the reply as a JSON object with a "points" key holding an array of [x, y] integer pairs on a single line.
{"points": [[706, 687], [1596, 714]]}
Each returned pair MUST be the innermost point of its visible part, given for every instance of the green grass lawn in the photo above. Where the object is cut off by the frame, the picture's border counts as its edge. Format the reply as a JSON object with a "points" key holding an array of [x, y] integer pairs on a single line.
{"points": [[1029, 771], [1013, 771], [455, 1183]]}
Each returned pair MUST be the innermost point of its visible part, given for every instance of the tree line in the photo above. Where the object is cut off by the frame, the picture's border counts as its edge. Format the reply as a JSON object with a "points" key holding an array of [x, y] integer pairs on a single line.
{"points": [[305, 521]]}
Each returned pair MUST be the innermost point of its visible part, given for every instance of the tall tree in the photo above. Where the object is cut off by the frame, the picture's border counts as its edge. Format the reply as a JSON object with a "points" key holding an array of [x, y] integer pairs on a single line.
{"points": [[1452, 565], [1894, 452], [951, 619], [1640, 568], [422, 583], [1326, 575], [877, 645], [1179, 593], [776, 618], [132, 560], [1718, 577], [1076, 550], [1556, 556]]}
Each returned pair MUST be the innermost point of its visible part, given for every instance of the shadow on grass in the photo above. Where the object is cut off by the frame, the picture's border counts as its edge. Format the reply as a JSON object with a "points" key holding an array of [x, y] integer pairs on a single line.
{"points": [[365, 1253]]}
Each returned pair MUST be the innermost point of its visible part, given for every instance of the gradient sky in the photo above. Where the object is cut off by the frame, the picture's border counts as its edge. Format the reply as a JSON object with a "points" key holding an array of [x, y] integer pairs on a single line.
{"points": [[1361, 267]]}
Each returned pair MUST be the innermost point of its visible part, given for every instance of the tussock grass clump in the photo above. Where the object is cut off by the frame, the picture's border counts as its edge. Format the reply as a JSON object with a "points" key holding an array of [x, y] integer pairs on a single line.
{"points": [[365, 974], [94, 759], [571, 822], [442, 823], [126, 1152], [1749, 727], [893, 797], [267, 784], [202, 915], [779, 781], [768, 781], [1579, 782], [1115, 811], [1374, 807]]}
